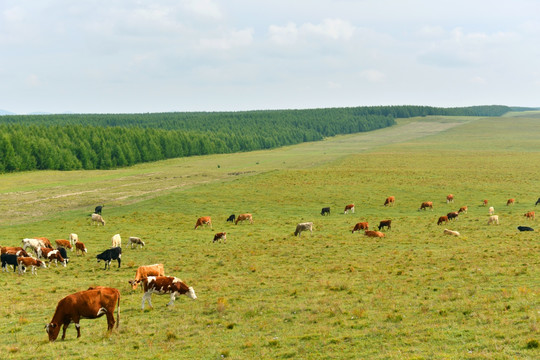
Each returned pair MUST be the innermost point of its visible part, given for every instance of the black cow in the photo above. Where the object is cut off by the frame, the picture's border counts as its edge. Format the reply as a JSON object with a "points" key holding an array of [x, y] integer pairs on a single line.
{"points": [[108, 255], [9, 259], [63, 252], [525, 228], [537, 202], [325, 211], [98, 209], [231, 218]]}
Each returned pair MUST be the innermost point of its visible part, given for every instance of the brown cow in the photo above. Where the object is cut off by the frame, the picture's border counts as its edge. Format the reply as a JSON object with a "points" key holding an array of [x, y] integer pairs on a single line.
{"points": [[372, 233], [442, 219], [63, 243], [15, 250], [145, 271], [25, 262], [89, 304], [243, 217], [360, 226], [510, 202], [449, 198], [385, 223], [220, 236], [426, 204], [529, 215], [204, 220], [46, 243], [463, 209], [452, 215], [484, 203], [390, 201], [79, 246], [348, 208], [161, 285]]}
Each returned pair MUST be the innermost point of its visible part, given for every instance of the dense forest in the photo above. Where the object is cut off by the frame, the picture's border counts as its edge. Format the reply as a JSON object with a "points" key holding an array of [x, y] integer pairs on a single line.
{"points": [[107, 141]]}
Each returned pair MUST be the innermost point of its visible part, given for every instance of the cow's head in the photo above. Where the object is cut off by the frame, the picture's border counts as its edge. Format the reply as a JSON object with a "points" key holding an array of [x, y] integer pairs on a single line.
{"points": [[191, 293], [52, 330], [133, 284], [41, 264]]}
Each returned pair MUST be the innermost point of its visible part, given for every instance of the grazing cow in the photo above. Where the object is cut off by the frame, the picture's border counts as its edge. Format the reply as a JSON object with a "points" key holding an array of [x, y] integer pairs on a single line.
{"points": [[79, 246], [46, 243], [63, 252], [26, 262], [385, 223], [303, 227], [15, 250], [108, 255], [9, 259], [493, 219], [89, 304], [96, 219], [231, 218], [220, 236], [390, 201], [98, 209], [325, 211], [491, 210], [371, 233], [449, 198], [360, 226], [243, 217], [55, 255], [525, 228], [73, 238], [450, 232], [452, 215], [116, 241], [33, 244], [161, 285], [145, 271], [136, 241], [537, 202], [529, 215], [63, 243], [426, 204], [484, 203], [442, 219], [348, 208], [463, 209], [204, 220], [510, 202]]}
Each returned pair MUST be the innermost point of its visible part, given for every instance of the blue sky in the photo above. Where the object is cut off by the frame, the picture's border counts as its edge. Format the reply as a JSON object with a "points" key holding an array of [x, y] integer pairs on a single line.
{"points": [[126, 56]]}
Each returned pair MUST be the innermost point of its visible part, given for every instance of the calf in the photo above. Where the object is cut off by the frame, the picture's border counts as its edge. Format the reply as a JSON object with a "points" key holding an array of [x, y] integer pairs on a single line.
{"points": [[136, 241], [525, 228], [360, 226], [442, 219], [325, 211], [231, 218], [389, 201], [204, 220], [493, 219], [9, 259], [425, 205], [450, 232], [108, 255], [161, 285], [145, 271], [79, 246], [220, 236], [63, 243], [463, 209], [243, 217], [303, 227], [25, 262], [529, 215], [371, 233], [348, 208], [116, 241], [90, 304], [385, 223], [98, 219], [452, 215]]}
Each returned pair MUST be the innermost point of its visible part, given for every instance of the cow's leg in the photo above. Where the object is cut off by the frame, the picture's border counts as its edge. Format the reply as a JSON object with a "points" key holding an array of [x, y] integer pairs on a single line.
{"points": [[147, 296], [119, 261], [64, 328], [106, 262], [110, 321], [173, 297]]}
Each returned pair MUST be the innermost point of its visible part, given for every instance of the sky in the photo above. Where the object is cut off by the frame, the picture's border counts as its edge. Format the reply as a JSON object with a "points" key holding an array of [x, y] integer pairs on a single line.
{"points": [[130, 56]]}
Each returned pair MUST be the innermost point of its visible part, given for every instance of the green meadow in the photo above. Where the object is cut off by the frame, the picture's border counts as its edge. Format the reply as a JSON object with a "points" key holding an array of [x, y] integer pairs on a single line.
{"points": [[266, 294]]}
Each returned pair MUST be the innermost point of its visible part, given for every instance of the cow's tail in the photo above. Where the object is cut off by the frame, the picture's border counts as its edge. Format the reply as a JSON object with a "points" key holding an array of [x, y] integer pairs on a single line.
{"points": [[118, 311]]}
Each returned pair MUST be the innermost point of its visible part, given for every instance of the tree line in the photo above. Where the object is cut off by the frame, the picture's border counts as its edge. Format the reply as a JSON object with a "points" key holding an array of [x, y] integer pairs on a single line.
{"points": [[107, 141]]}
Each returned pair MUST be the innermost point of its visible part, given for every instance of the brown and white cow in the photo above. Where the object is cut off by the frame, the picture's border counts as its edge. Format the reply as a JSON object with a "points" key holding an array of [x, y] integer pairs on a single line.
{"points": [[162, 285], [145, 271], [204, 220], [450, 232], [348, 208], [136, 241], [449, 198], [79, 246], [220, 236], [303, 227], [452, 215], [360, 226], [385, 223], [510, 202], [493, 219], [390, 201], [463, 209], [15, 250], [484, 203], [371, 233], [442, 219], [89, 304], [98, 219], [244, 217], [63, 243], [53, 255], [26, 262], [529, 215], [425, 205]]}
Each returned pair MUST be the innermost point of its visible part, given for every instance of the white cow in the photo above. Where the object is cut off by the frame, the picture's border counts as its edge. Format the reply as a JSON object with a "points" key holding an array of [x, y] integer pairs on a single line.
{"points": [[73, 238], [96, 218], [451, 232], [34, 244], [493, 219], [303, 227], [116, 241], [136, 241], [491, 210]]}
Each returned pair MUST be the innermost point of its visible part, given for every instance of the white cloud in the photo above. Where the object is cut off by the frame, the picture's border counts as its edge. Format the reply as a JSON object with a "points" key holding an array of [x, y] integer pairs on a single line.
{"points": [[332, 29], [232, 39], [372, 75], [205, 8]]}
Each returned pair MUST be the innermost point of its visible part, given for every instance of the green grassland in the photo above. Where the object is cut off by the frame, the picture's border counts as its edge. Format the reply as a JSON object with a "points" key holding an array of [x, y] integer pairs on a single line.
{"points": [[266, 294]]}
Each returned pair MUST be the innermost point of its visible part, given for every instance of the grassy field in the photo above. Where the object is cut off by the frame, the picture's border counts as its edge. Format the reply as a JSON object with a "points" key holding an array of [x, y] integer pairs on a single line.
{"points": [[265, 294]]}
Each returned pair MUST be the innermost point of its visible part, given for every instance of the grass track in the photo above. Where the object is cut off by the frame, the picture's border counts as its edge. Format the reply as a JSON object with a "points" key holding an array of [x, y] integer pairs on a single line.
{"points": [[267, 294]]}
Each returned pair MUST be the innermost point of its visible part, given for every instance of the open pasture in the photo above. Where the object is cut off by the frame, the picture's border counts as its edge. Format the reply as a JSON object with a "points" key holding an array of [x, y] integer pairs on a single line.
{"points": [[414, 294]]}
